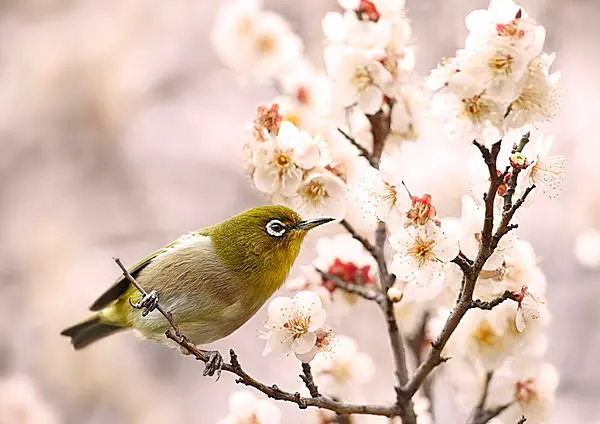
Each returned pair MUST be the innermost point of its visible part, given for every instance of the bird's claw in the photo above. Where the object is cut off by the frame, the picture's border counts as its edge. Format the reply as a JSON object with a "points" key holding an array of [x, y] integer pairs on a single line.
{"points": [[214, 364], [147, 303]]}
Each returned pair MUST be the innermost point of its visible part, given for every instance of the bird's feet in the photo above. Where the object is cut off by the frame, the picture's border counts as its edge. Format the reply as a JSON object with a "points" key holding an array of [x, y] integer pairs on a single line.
{"points": [[147, 304], [214, 364]]}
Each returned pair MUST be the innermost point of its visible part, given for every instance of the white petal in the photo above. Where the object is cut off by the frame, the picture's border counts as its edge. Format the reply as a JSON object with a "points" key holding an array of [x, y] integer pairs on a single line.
{"points": [[317, 320], [307, 155], [370, 99], [265, 179], [446, 249], [308, 303], [280, 310], [425, 274], [520, 320], [308, 356], [305, 343], [280, 341], [403, 268]]}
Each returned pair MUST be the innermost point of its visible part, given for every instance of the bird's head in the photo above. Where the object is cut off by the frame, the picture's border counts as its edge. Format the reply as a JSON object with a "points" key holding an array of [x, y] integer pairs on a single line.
{"points": [[263, 239]]}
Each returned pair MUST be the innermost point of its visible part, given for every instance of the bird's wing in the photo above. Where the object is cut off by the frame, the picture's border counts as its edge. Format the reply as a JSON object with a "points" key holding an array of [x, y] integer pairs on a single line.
{"points": [[121, 285]]}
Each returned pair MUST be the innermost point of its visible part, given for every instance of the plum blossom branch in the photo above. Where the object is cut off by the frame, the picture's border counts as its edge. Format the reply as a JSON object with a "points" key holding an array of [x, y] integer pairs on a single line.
{"points": [[273, 391], [309, 381], [481, 414], [489, 242], [353, 288], [363, 240], [522, 420], [480, 304], [361, 150]]}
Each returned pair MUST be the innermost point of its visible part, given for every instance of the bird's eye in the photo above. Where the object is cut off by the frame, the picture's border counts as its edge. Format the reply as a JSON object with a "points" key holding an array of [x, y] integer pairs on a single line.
{"points": [[276, 228]]}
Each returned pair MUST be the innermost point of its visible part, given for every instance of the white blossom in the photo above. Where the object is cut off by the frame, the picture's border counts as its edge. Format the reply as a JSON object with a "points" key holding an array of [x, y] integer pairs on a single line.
{"points": [[245, 408], [343, 371], [392, 197], [280, 162], [293, 323], [420, 254], [545, 171], [255, 42], [320, 194], [358, 79]]}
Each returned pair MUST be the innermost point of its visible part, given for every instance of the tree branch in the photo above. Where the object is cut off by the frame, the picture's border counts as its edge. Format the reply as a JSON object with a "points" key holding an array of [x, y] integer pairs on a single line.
{"points": [[353, 288], [471, 274], [522, 420], [481, 414], [361, 150], [308, 380], [480, 304], [363, 240]]}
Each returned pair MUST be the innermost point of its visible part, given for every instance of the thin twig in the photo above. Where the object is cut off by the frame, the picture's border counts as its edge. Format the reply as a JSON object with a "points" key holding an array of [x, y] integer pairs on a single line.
{"points": [[363, 240], [353, 288], [480, 304], [309, 381], [361, 150], [133, 281], [273, 391], [522, 420]]}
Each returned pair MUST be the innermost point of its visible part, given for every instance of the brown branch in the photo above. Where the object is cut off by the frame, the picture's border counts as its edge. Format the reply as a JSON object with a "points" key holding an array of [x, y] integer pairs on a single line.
{"points": [[522, 420], [363, 240], [464, 302], [481, 414], [380, 128], [353, 288], [361, 150], [274, 392], [480, 304], [309, 381], [234, 367], [129, 277]]}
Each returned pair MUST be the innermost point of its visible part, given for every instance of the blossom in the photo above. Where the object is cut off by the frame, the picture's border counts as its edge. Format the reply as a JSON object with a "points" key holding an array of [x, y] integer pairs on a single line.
{"points": [[280, 162], [321, 193], [342, 372], [537, 98], [587, 248], [546, 172], [255, 42], [245, 408], [345, 258], [293, 323], [393, 199], [421, 254], [358, 79]]}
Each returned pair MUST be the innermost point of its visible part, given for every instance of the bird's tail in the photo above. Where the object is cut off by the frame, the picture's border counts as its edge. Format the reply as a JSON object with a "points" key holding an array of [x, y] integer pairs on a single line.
{"points": [[88, 331]]}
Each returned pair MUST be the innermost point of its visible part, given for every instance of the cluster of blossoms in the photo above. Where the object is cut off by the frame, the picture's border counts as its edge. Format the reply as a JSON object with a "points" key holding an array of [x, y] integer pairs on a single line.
{"points": [[312, 149]]}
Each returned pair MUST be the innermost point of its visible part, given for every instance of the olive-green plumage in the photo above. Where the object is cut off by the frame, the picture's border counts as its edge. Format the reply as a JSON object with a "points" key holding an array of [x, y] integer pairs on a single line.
{"points": [[212, 280]]}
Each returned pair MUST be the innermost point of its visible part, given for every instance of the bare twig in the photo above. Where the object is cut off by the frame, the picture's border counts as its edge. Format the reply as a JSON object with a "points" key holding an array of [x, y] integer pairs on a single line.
{"points": [[489, 242], [308, 380], [522, 420], [129, 277], [274, 392], [480, 304], [234, 367], [353, 288], [361, 150], [363, 240], [481, 414]]}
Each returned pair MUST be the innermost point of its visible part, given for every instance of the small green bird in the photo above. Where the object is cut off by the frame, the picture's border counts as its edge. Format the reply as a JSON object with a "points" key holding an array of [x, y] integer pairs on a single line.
{"points": [[212, 280]]}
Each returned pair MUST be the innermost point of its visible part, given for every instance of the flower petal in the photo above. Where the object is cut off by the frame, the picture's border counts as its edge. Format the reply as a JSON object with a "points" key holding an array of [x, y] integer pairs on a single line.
{"points": [[280, 341], [280, 310], [305, 343], [446, 249]]}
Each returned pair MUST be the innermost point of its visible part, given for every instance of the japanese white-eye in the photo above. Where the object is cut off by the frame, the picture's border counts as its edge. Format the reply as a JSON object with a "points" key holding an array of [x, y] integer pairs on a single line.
{"points": [[212, 280]]}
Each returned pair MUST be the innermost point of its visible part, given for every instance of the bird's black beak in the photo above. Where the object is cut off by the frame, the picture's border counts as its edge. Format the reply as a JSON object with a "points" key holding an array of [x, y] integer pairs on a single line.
{"points": [[309, 224]]}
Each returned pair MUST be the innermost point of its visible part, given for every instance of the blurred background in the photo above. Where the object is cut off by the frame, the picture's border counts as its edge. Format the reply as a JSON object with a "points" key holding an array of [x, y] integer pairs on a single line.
{"points": [[120, 130]]}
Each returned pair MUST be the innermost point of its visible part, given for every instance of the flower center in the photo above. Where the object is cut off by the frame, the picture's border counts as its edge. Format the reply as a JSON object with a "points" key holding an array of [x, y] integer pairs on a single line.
{"points": [[282, 160], [422, 250], [265, 44], [298, 326], [510, 29], [362, 78], [501, 63], [484, 336], [524, 391], [389, 195], [475, 108], [314, 192], [421, 211]]}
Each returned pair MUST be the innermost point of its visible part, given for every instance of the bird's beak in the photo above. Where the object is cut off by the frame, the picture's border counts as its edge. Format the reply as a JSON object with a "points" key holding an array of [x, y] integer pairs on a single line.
{"points": [[309, 224]]}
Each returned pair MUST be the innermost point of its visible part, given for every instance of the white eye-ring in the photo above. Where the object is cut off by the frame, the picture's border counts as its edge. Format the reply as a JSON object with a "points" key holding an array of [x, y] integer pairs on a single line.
{"points": [[275, 228]]}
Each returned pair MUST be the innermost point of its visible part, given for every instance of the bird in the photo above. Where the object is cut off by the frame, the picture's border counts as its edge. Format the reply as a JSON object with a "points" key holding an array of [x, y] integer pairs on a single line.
{"points": [[212, 281]]}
